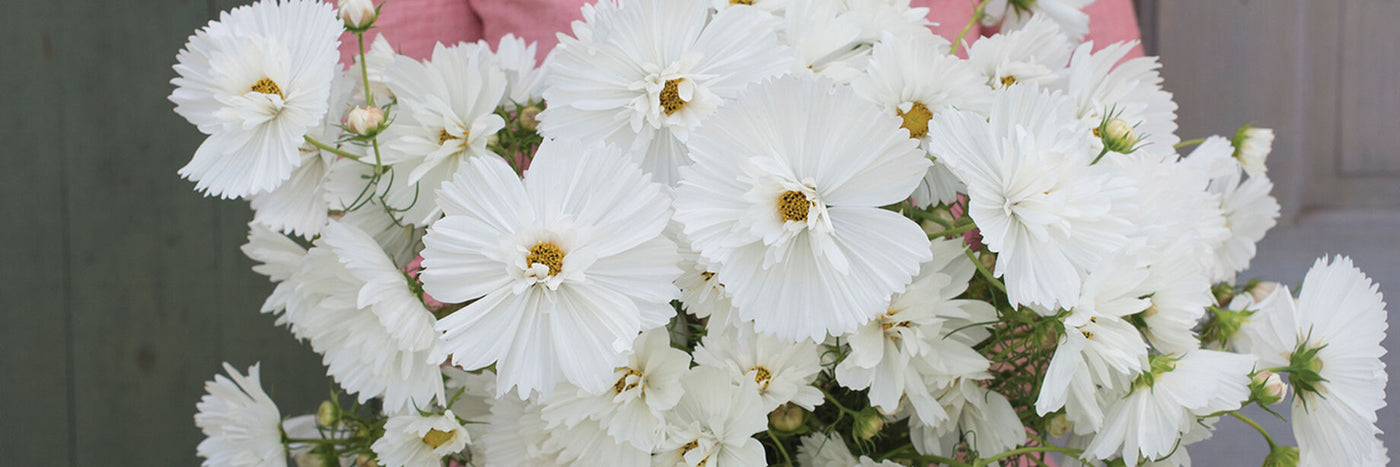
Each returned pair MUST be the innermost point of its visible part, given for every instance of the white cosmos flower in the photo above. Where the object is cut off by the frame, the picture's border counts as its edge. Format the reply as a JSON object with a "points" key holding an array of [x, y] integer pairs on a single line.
{"points": [[1252, 147], [634, 409], [1047, 213], [1099, 349], [447, 114], [980, 416], [702, 291], [825, 41], [784, 196], [358, 351], [915, 78], [515, 435], [525, 81], [298, 206], [1339, 318], [562, 269], [1068, 15], [714, 423], [784, 371], [414, 440], [376, 212], [1036, 53], [907, 353], [828, 450], [1250, 211], [1132, 90], [279, 258], [256, 80], [1167, 400], [587, 443], [386, 289], [241, 424], [643, 74]]}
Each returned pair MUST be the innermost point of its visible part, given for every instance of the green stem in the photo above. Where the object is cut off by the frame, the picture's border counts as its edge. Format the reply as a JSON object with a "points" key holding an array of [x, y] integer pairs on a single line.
{"points": [[1100, 156], [1189, 142], [781, 449], [977, 15], [954, 230], [983, 270], [1025, 450], [329, 148], [832, 398], [1256, 426], [316, 440], [364, 68]]}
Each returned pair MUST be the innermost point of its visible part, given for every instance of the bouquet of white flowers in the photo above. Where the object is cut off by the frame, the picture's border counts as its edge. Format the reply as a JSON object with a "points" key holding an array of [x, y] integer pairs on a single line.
{"points": [[746, 232]]}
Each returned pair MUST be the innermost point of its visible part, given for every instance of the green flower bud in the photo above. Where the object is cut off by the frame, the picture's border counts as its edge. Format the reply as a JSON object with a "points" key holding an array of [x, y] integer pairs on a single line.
{"points": [[1282, 456], [868, 423], [1059, 425], [1267, 388], [529, 117], [1117, 135], [327, 416], [787, 417]]}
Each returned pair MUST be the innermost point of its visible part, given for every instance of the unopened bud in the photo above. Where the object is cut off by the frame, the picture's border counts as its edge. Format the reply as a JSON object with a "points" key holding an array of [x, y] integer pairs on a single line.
{"points": [[1282, 456], [1252, 148], [1262, 290], [357, 14], [787, 417], [1117, 135], [529, 117], [1268, 388], [868, 423], [493, 139], [311, 459], [1059, 426], [365, 121], [326, 415], [989, 260], [365, 460]]}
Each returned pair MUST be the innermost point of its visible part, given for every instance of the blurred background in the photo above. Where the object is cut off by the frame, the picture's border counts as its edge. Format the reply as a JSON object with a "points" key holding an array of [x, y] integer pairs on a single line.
{"points": [[122, 290]]}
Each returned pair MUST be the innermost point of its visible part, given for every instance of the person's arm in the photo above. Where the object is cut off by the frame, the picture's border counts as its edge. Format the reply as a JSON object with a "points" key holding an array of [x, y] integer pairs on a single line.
{"points": [[413, 27]]}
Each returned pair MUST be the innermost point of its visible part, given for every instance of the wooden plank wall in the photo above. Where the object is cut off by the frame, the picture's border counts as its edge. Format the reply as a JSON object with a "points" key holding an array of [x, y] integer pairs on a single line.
{"points": [[123, 289]]}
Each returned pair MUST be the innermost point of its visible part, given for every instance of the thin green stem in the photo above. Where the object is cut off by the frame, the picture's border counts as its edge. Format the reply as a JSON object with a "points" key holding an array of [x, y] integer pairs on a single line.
{"points": [[1189, 142], [1025, 450], [329, 148], [838, 405], [977, 15], [1256, 426], [983, 270], [954, 230], [781, 449], [1100, 156], [364, 68], [317, 440]]}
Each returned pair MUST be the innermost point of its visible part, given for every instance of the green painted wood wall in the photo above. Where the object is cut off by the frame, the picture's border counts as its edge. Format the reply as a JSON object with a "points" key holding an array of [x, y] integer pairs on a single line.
{"points": [[121, 289]]}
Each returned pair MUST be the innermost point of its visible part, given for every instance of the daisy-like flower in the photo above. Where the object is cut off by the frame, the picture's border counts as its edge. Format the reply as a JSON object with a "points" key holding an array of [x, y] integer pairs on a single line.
{"points": [[1166, 400], [563, 269], [278, 258], [447, 115], [714, 423], [414, 440], [1330, 341], [1250, 211], [588, 443], [906, 353], [784, 196], [1039, 203], [825, 41], [515, 434], [915, 78], [386, 290], [634, 409], [1099, 349], [702, 291], [1130, 91], [256, 80], [525, 81], [1252, 147], [241, 424], [1036, 53], [981, 417], [827, 450], [784, 371], [643, 74]]}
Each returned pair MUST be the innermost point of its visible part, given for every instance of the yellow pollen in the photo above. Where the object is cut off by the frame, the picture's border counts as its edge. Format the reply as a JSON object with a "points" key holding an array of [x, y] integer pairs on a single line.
{"points": [[443, 136], [671, 96], [437, 437], [916, 120], [707, 275], [623, 385], [266, 86], [688, 446], [1093, 319], [741, 2], [547, 254], [1008, 80], [1087, 334], [793, 206], [1096, 132], [762, 376]]}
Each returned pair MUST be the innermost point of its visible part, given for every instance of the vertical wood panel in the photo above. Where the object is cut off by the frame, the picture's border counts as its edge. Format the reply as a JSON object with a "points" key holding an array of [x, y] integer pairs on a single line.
{"points": [[34, 339], [1369, 93]]}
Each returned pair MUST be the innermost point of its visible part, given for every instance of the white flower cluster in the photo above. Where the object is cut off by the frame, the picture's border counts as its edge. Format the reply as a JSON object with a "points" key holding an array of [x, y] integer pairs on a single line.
{"points": [[748, 232]]}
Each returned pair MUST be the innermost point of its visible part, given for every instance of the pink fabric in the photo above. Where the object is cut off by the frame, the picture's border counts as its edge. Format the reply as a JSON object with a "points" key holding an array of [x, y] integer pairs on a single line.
{"points": [[414, 26]]}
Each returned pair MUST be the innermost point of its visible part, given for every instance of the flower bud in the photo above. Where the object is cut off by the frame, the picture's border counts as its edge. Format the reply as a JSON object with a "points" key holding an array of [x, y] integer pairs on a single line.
{"points": [[787, 417], [358, 14], [868, 423], [1282, 456], [1117, 136], [365, 121], [326, 415], [1059, 425], [311, 459], [1262, 290], [1252, 148], [529, 117], [1267, 388]]}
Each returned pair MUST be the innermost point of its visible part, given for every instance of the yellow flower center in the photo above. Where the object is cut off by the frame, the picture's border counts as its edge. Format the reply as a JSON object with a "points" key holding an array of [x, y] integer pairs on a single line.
{"points": [[436, 437], [547, 254], [267, 86], [916, 120], [761, 376], [671, 96], [622, 384], [793, 206], [1008, 80], [741, 2]]}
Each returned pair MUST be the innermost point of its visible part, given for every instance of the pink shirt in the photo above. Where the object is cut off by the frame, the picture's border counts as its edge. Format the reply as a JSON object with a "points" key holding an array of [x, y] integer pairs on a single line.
{"points": [[414, 26]]}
